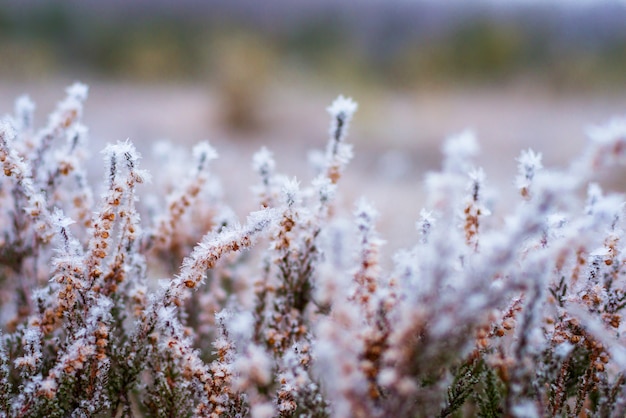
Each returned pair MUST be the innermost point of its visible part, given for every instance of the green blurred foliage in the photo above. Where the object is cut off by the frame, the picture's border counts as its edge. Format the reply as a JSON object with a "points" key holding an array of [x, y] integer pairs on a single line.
{"points": [[58, 38], [476, 52]]}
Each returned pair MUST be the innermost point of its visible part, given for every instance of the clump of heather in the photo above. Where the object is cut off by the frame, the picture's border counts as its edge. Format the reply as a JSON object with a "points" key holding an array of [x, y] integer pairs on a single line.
{"points": [[118, 302]]}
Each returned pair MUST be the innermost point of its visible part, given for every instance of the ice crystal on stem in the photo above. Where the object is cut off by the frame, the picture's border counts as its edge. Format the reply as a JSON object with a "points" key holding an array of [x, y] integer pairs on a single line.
{"points": [[338, 153], [529, 163]]}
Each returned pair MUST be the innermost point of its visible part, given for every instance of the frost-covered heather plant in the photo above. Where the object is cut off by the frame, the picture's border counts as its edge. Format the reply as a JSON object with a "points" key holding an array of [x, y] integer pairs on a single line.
{"points": [[292, 312]]}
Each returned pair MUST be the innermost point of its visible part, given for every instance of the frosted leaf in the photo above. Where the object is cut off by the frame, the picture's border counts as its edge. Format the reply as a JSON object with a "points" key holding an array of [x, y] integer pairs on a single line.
{"points": [[259, 220], [166, 314], [101, 311], [342, 107], [109, 151], [475, 185], [32, 336], [555, 224], [477, 175], [127, 149], [427, 217], [344, 153], [7, 132], [529, 163], [365, 214], [341, 111], [27, 361], [263, 162], [24, 104], [123, 154], [608, 208], [325, 188], [203, 152], [24, 111], [529, 160], [48, 386], [78, 91], [120, 148], [60, 220], [223, 316], [291, 192], [76, 135], [594, 193]]}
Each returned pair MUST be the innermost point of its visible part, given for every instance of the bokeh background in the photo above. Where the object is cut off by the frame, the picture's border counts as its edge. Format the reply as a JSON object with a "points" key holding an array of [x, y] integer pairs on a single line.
{"points": [[248, 73]]}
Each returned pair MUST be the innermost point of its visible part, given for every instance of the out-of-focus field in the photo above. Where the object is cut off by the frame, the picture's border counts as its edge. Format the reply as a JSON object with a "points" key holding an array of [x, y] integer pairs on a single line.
{"points": [[396, 136]]}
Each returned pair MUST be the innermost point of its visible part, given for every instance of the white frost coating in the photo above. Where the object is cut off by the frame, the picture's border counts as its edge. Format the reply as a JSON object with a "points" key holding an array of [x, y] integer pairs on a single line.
{"points": [[608, 208], [263, 162], [594, 194], [599, 253], [343, 107], [24, 112], [477, 175], [427, 219], [260, 219], [78, 91], [341, 110], [365, 214], [528, 164], [101, 311], [7, 132], [60, 220], [325, 188], [122, 148], [203, 152], [291, 192], [529, 160]]}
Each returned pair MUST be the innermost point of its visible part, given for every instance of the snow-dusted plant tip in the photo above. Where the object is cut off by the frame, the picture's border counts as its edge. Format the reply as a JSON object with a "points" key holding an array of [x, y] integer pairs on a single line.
{"points": [[118, 303]]}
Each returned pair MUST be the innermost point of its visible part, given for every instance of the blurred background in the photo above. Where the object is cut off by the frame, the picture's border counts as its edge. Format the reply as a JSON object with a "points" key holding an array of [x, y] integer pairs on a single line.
{"points": [[247, 73]]}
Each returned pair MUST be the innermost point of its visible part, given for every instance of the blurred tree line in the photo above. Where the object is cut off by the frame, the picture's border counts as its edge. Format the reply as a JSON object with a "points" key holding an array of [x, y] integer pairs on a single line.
{"points": [[391, 48]]}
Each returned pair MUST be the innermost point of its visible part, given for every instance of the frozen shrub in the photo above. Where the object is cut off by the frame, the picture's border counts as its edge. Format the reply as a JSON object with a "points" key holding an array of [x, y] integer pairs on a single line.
{"points": [[292, 312]]}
